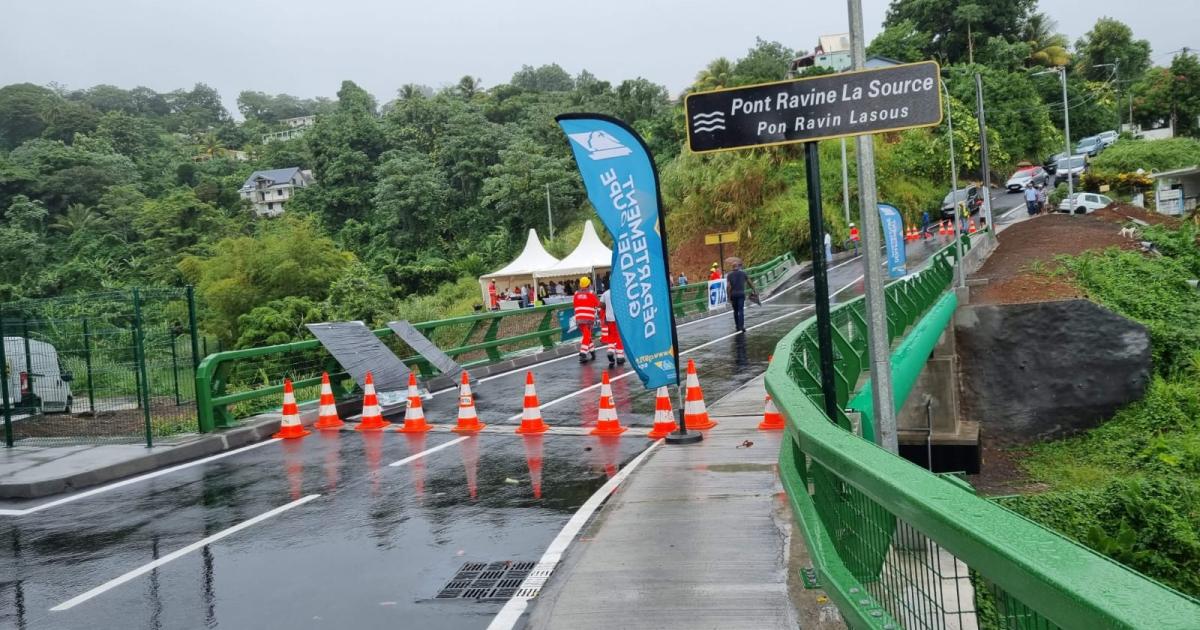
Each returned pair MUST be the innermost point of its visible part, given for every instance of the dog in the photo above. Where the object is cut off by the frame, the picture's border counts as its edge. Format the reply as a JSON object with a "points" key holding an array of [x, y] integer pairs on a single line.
{"points": [[1129, 232]]}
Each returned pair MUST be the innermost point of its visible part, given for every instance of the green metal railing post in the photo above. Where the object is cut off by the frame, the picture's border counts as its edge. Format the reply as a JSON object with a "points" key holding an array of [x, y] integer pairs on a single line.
{"points": [[175, 370], [4, 399], [139, 353], [193, 328], [28, 358], [87, 364]]}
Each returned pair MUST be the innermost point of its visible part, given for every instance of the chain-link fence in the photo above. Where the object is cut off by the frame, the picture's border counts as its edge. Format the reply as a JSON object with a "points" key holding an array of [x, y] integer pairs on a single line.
{"points": [[102, 367]]}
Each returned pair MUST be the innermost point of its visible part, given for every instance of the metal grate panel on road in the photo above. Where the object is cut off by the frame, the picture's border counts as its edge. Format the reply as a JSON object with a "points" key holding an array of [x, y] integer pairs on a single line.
{"points": [[489, 581]]}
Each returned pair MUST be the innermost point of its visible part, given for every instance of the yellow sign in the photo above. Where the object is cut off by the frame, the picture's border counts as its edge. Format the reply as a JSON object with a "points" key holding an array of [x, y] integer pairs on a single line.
{"points": [[1104, 188], [720, 237]]}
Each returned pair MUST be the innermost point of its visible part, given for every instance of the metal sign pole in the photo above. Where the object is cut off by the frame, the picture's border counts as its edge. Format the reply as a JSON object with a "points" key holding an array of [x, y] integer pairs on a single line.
{"points": [[816, 223], [878, 345]]}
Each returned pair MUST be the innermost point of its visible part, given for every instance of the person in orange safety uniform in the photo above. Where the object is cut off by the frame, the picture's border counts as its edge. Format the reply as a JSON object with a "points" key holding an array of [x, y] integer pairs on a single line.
{"points": [[586, 304]]}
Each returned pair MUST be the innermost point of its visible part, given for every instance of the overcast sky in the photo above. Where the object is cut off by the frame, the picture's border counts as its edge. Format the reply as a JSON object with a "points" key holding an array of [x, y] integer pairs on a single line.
{"points": [[307, 47]]}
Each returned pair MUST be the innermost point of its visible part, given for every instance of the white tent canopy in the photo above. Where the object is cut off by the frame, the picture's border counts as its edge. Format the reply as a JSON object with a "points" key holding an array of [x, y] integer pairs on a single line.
{"points": [[589, 256], [532, 260]]}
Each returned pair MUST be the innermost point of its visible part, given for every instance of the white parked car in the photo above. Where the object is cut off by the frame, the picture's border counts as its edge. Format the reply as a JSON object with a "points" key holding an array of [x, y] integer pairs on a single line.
{"points": [[1083, 203], [1035, 175], [45, 387], [1107, 137]]}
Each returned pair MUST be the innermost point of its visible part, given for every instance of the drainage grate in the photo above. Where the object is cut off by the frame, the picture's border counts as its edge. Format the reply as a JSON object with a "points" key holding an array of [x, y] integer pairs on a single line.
{"points": [[495, 581]]}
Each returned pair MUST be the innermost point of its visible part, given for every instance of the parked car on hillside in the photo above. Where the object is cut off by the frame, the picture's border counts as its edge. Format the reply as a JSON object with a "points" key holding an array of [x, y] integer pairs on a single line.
{"points": [[1108, 137], [1051, 163], [1075, 166], [1083, 203], [36, 378], [1090, 146], [1029, 175], [970, 195]]}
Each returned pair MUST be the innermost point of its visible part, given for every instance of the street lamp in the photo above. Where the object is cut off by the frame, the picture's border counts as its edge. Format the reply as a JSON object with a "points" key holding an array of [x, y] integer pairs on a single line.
{"points": [[1062, 77], [962, 279]]}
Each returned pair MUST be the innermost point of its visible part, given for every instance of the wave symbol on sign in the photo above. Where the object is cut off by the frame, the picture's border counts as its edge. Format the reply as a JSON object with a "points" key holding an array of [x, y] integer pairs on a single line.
{"points": [[710, 121]]}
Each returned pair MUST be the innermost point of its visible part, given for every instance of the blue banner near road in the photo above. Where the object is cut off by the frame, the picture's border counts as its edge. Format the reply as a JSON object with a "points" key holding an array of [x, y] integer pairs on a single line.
{"points": [[893, 238], [621, 183]]}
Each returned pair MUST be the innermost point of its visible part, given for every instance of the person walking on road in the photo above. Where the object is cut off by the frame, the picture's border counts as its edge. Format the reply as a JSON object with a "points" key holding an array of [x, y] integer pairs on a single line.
{"points": [[926, 225], [612, 337], [854, 238], [737, 283], [828, 248], [1031, 200], [585, 304]]}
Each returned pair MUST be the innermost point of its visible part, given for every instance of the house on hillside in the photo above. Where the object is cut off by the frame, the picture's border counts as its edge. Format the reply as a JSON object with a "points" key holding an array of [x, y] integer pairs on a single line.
{"points": [[832, 51], [296, 127], [268, 191]]}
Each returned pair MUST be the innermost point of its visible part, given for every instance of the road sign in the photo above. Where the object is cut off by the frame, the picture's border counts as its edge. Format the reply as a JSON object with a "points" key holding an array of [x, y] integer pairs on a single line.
{"points": [[720, 237], [817, 108]]}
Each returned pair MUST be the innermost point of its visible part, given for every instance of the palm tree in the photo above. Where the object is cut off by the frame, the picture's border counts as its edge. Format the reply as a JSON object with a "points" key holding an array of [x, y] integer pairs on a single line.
{"points": [[1046, 47], [468, 86], [78, 217], [409, 91], [718, 74]]}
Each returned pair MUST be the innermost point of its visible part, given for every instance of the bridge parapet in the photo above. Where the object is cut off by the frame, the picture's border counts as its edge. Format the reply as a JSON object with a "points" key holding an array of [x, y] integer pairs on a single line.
{"points": [[896, 546]]}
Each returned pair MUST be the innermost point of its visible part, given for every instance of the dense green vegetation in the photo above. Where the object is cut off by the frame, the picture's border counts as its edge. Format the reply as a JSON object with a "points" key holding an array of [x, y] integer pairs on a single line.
{"points": [[109, 187], [1131, 488]]}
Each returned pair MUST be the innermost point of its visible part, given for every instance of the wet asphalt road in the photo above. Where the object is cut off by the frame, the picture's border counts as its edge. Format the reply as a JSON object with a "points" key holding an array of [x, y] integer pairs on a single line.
{"points": [[377, 544]]}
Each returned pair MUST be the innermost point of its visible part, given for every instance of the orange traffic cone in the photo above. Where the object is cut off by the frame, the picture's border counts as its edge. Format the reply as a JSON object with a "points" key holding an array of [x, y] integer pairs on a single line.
{"points": [[531, 418], [695, 414], [372, 418], [772, 419], [468, 420], [327, 415], [971, 228], [290, 427], [664, 416], [942, 229], [414, 415], [607, 422]]}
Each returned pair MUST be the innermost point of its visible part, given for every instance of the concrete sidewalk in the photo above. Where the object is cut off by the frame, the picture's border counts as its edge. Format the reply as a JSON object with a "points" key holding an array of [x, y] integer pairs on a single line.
{"points": [[698, 537]]}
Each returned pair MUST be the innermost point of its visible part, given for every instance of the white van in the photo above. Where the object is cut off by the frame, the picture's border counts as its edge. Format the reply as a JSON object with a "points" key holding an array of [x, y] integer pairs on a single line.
{"points": [[51, 390]]}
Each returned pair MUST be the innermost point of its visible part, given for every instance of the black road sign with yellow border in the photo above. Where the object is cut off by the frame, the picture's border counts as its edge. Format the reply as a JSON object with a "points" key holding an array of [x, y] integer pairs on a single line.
{"points": [[802, 110]]}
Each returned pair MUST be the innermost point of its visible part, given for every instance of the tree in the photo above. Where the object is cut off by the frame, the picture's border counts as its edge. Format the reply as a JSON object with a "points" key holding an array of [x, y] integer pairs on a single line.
{"points": [[954, 26], [1108, 42], [546, 78], [287, 257], [411, 201], [467, 87], [64, 119], [1170, 95], [1047, 47], [279, 321], [766, 61], [360, 294], [639, 99], [902, 41], [515, 190], [23, 109], [717, 74], [197, 110], [78, 218]]}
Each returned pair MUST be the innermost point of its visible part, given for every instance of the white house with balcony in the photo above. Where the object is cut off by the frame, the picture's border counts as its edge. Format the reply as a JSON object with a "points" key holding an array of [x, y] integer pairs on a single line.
{"points": [[268, 191], [295, 127]]}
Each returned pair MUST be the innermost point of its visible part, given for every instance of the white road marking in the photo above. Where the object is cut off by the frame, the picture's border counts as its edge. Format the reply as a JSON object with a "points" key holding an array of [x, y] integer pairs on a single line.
{"points": [[133, 480], [179, 553], [428, 451], [515, 607]]}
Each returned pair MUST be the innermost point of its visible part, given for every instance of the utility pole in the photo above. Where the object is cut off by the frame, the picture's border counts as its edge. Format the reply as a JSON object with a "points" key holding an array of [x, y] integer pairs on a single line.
{"points": [[1062, 76], [985, 165], [845, 183], [549, 213], [878, 345], [962, 274]]}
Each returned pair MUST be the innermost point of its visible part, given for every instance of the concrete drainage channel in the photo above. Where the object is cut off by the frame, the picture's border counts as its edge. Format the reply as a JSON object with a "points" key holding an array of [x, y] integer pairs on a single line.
{"points": [[481, 581]]}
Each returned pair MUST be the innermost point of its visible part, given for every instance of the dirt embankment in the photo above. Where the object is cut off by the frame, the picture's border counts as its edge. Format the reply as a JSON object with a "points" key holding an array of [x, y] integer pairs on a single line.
{"points": [[1017, 271]]}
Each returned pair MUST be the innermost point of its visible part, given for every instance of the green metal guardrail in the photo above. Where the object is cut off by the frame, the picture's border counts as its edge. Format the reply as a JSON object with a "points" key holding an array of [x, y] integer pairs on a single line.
{"points": [[693, 298], [253, 377], [897, 546]]}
